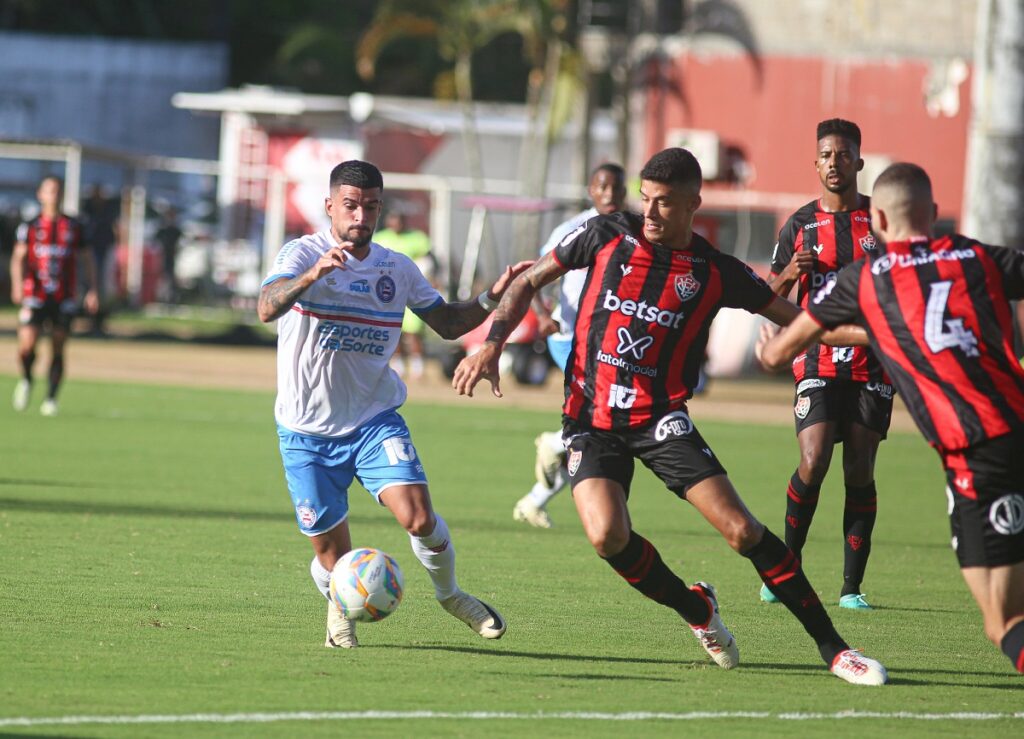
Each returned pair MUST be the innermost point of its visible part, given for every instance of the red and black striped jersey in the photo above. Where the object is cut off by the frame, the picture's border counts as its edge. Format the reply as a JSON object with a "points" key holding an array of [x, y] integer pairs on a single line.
{"points": [[53, 245], [938, 318], [837, 239], [644, 317]]}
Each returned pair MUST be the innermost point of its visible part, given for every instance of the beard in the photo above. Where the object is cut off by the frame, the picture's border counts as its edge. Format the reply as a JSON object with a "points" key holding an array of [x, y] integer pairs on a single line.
{"points": [[359, 238]]}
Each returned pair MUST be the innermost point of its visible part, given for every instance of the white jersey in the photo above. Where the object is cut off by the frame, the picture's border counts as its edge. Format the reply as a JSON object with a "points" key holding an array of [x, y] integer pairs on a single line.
{"points": [[334, 345], [571, 286]]}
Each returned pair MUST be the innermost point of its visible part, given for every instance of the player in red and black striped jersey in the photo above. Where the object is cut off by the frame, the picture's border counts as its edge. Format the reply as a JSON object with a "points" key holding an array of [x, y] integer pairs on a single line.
{"points": [[842, 393], [651, 292], [43, 280], [937, 313]]}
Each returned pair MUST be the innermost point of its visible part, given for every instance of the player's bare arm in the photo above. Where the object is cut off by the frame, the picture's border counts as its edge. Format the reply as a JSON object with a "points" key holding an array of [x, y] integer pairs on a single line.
{"points": [[801, 263], [784, 312], [452, 320], [778, 351], [18, 271], [514, 304], [279, 296]]}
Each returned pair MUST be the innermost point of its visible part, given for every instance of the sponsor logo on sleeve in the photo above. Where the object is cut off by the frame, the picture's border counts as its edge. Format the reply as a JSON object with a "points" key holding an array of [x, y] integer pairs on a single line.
{"points": [[825, 291], [571, 236]]}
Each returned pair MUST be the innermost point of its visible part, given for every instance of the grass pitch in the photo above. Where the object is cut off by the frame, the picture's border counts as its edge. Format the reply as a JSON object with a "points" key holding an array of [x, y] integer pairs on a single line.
{"points": [[150, 566]]}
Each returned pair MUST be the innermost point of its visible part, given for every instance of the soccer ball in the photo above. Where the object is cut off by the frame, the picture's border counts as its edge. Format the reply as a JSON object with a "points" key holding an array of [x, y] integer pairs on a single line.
{"points": [[367, 585]]}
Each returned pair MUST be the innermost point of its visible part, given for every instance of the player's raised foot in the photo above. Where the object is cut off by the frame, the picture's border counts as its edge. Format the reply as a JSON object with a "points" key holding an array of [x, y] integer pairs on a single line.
{"points": [[855, 601], [476, 614], [22, 395], [341, 632], [548, 462], [48, 408], [854, 667], [528, 511], [767, 596], [716, 639]]}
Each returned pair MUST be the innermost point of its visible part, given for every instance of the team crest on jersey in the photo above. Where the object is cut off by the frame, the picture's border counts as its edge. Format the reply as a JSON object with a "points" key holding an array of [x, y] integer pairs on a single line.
{"points": [[306, 515], [802, 407], [575, 457], [868, 243], [385, 289], [686, 286]]}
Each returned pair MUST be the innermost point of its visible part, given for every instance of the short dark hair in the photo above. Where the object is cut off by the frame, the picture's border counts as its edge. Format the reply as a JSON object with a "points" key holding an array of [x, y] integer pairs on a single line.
{"points": [[611, 168], [356, 173], [674, 166], [839, 127], [910, 179]]}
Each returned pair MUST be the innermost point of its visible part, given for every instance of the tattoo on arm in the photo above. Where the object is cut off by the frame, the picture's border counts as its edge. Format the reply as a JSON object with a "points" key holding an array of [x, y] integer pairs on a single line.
{"points": [[277, 298]]}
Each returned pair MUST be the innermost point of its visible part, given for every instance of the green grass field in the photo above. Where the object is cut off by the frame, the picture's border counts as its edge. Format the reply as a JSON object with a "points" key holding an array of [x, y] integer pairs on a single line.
{"points": [[150, 565]]}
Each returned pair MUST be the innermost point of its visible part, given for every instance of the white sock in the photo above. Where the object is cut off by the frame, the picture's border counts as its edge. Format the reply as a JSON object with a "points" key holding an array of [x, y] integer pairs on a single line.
{"points": [[436, 553], [554, 441], [321, 577], [540, 494]]}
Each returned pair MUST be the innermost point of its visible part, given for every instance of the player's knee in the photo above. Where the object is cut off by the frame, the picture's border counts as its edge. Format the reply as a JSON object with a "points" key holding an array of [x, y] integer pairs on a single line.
{"points": [[743, 533], [608, 542], [813, 466], [419, 523]]}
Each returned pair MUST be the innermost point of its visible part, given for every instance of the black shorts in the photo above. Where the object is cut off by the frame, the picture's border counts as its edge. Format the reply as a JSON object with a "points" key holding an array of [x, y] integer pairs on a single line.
{"points": [[985, 492], [51, 312], [672, 449], [818, 400]]}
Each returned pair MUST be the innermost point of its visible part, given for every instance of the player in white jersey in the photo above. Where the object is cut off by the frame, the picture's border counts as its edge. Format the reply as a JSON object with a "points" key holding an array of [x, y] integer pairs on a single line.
{"points": [[607, 191], [340, 300]]}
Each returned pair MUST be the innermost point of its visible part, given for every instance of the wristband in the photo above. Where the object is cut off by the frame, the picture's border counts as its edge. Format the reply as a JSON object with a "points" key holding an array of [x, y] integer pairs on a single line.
{"points": [[486, 302]]}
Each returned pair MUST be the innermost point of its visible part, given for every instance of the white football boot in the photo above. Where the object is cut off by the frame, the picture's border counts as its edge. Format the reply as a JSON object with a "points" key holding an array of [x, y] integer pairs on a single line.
{"points": [[48, 408], [341, 632], [22, 395], [854, 667], [476, 614], [528, 511], [716, 639]]}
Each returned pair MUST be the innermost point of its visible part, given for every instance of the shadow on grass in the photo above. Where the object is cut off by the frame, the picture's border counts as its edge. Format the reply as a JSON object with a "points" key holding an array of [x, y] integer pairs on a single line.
{"points": [[49, 505]]}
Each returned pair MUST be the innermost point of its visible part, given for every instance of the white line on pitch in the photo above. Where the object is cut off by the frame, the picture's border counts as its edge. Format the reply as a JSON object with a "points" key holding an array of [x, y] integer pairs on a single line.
{"points": [[255, 718]]}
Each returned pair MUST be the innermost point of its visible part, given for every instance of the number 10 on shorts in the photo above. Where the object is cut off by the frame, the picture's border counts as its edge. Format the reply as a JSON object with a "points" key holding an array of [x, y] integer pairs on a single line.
{"points": [[399, 450]]}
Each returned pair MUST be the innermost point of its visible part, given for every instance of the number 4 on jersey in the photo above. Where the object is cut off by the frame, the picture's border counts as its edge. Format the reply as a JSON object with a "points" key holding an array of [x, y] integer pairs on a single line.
{"points": [[941, 333]]}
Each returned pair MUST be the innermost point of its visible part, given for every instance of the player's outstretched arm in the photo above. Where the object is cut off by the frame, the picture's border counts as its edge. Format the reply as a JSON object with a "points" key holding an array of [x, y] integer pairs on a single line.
{"points": [[452, 320], [513, 306], [778, 351], [277, 298], [784, 312]]}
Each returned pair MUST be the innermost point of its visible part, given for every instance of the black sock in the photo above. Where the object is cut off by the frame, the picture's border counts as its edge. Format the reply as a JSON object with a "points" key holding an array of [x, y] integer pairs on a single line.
{"points": [[1012, 645], [641, 566], [858, 523], [780, 570], [56, 373], [801, 502], [27, 360]]}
